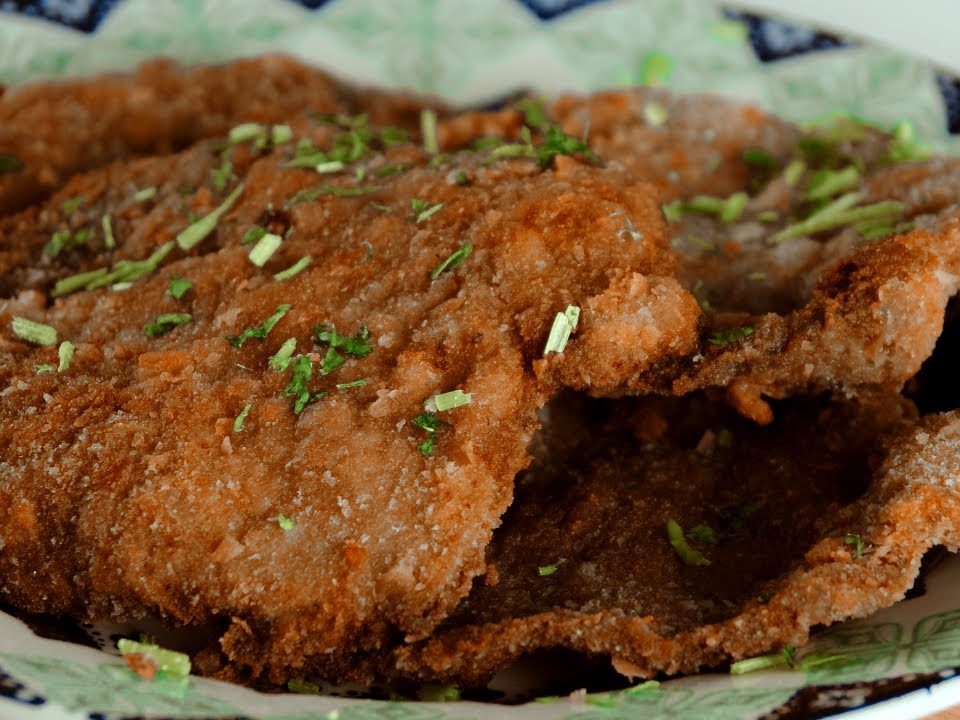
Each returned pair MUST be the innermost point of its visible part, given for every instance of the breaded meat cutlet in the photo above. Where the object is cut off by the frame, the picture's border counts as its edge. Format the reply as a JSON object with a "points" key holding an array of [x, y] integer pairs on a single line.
{"points": [[266, 453], [673, 536], [50, 131]]}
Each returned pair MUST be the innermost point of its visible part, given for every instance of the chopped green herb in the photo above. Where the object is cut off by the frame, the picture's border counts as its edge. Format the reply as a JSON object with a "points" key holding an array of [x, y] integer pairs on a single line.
{"points": [[455, 258], [253, 235], [768, 216], [655, 114], [420, 210], [123, 271], [264, 249], [298, 267], [65, 354], [280, 134], [794, 171], [311, 194], [757, 276], [448, 401], [655, 68], [686, 553], [701, 298], [903, 145], [121, 286], [198, 230], [9, 163], [429, 423], [165, 323], [534, 111], [108, 240], [764, 662], [168, 663], [281, 360], [826, 183], [727, 209], [858, 545], [78, 281], [286, 523], [260, 331], [563, 325], [352, 384], [545, 570], [44, 368], [725, 337], [240, 420], [330, 166], [557, 142], [58, 241], [33, 332], [392, 136], [386, 170], [221, 176], [673, 211], [438, 693], [428, 131], [357, 346], [302, 687], [71, 205], [758, 157], [331, 361], [245, 132], [178, 287], [297, 387], [703, 533], [360, 173], [839, 214], [485, 143], [380, 206], [147, 193], [461, 178]]}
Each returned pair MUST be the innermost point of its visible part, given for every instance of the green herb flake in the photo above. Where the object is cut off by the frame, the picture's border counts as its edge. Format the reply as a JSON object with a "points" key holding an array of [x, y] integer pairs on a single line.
{"points": [[687, 554], [392, 136], [198, 230], [725, 337], [826, 183], [534, 111], [557, 142], [455, 258], [387, 170], [422, 209], [286, 523], [428, 131], [545, 570], [65, 355], [673, 211], [703, 533], [655, 114], [859, 548], [331, 361], [297, 387], [44, 368], [241, 419], [429, 423], [145, 194], [109, 242], [302, 687], [448, 401], [298, 267], [727, 209], [759, 158], [903, 146], [352, 384], [357, 346], [311, 194], [178, 287], [253, 235], [793, 172], [768, 216], [9, 164], [264, 249], [764, 662], [563, 325], [260, 331], [58, 241], [165, 323], [283, 357], [280, 134], [438, 693], [328, 167], [78, 281], [168, 663], [71, 205], [245, 132], [33, 332], [220, 177], [840, 213]]}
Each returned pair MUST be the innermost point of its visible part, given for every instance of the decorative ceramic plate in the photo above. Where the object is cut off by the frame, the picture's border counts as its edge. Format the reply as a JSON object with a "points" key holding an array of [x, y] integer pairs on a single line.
{"points": [[905, 658]]}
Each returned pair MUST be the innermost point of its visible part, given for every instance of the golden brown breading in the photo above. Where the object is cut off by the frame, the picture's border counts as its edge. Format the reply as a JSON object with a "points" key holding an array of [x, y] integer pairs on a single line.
{"points": [[124, 490], [57, 130], [583, 560]]}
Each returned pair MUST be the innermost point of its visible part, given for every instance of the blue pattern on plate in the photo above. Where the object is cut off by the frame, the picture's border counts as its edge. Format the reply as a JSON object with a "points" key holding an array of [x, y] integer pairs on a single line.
{"points": [[549, 9], [950, 90], [84, 15], [773, 40]]}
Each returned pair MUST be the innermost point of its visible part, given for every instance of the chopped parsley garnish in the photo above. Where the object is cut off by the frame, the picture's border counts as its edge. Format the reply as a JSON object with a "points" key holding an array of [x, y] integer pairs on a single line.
{"points": [[311, 194], [44, 368], [298, 267], [703, 533], [429, 423], [302, 687], [352, 384], [297, 387], [240, 420], [65, 355], [221, 176], [768, 216], [71, 205], [245, 132], [727, 209], [438, 693], [455, 258], [124, 271], [78, 281], [545, 570], [357, 346], [673, 211], [387, 170], [557, 142], [264, 249], [725, 337], [280, 134], [448, 401], [428, 131], [198, 230], [281, 360], [286, 523], [331, 361], [687, 554], [392, 136], [903, 145], [64, 239], [147, 193], [253, 235], [166, 663], [423, 210], [33, 332], [787, 658], [165, 323], [534, 111], [655, 114], [759, 158], [563, 325], [9, 163], [859, 547], [262, 330], [330, 166], [178, 287], [840, 213], [108, 240], [793, 172], [825, 184]]}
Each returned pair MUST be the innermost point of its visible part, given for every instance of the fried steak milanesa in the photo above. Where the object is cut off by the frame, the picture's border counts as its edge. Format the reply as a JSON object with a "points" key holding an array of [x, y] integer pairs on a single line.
{"points": [[56, 130], [305, 502], [810, 520]]}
